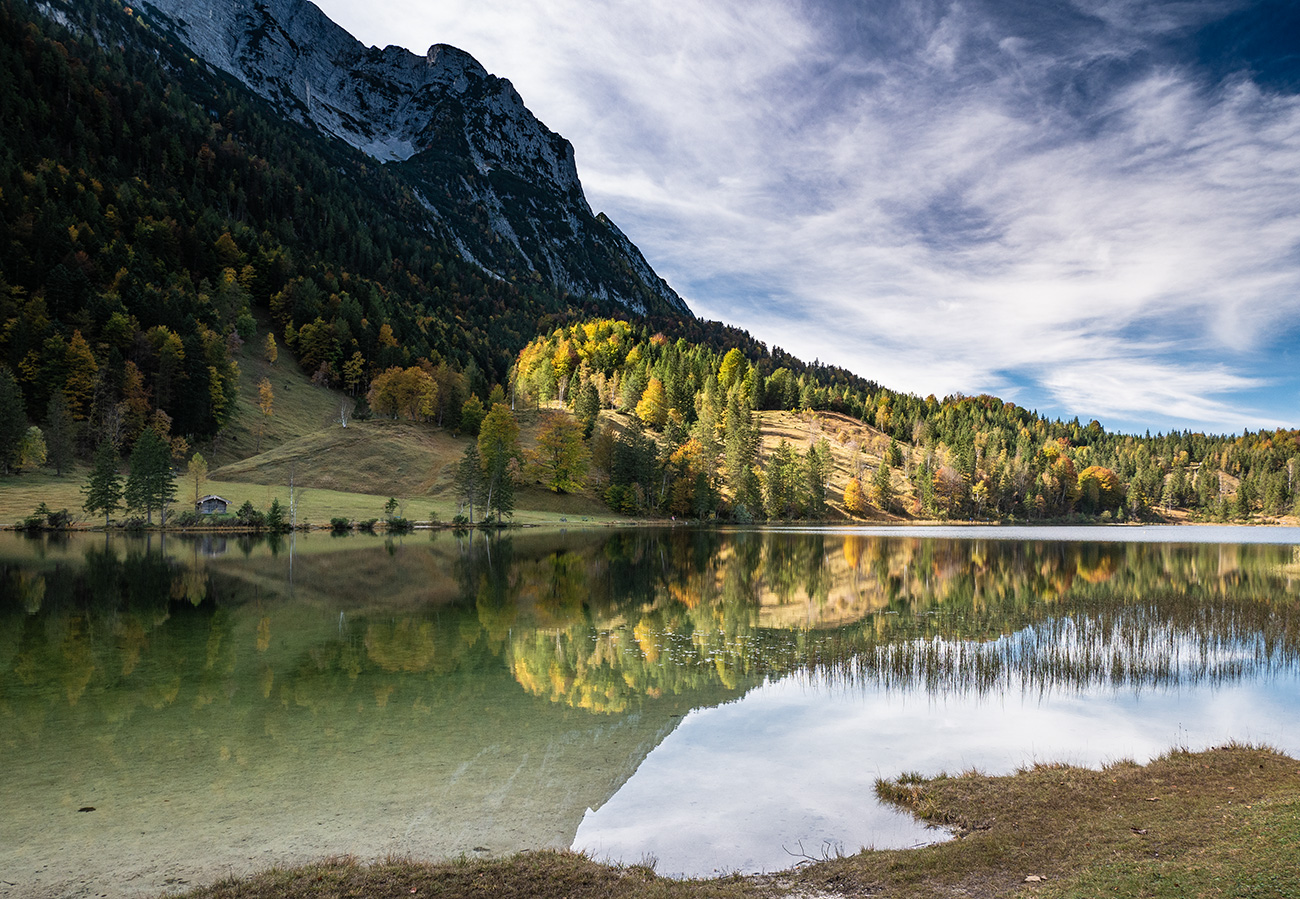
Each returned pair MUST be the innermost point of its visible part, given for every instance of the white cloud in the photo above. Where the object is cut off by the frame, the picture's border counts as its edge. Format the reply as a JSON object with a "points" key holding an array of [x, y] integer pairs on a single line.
{"points": [[939, 202]]}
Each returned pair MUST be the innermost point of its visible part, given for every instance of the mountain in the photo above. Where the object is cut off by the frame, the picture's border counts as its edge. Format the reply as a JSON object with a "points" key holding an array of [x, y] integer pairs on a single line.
{"points": [[500, 186]]}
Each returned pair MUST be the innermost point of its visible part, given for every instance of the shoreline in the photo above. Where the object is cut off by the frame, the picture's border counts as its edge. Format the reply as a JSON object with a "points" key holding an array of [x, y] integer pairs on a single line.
{"points": [[838, 525], [1194, 820]]}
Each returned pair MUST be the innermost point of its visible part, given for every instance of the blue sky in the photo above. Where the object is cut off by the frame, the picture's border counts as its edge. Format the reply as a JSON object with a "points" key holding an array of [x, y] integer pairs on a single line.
{"points": [[1089, 208]]}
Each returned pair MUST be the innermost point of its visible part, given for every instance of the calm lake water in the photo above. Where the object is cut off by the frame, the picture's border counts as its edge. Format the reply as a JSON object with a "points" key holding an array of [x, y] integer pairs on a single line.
{"points": [[715, 701]]}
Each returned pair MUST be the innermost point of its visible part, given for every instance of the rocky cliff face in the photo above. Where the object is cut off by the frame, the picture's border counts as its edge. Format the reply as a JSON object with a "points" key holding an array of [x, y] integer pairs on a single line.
{"points": [[500, 186]]}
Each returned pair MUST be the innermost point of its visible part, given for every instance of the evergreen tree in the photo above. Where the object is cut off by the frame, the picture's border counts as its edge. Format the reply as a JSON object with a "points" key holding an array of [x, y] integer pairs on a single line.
{"points": [[60, 433], [275, 522], [470, 483], [817, 463], [150, 484], [782, 477], [103, 491], [882, 487], [586, 407], [13, 420], [741, 442]]}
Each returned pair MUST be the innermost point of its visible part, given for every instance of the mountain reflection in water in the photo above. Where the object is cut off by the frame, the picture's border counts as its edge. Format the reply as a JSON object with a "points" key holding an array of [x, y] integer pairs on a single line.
{"points": [[225, 707]]}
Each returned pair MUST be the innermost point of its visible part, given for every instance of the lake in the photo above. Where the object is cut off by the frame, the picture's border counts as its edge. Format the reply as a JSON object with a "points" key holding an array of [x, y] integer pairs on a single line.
{"points": [[176, 710]]}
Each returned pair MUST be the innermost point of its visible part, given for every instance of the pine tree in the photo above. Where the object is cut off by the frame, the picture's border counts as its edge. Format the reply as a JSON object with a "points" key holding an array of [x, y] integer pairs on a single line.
{"points": [[103, 491], [780, 481], [817, 466], [13, 419], [150, 484], [60, 433], [586, 406], [470, 484], [882, 486]]}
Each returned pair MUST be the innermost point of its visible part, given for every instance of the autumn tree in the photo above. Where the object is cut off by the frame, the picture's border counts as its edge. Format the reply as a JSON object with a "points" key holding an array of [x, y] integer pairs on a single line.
{"points": [[1099, 489], [561, 457], [31, 450], [689, 490], [79, 362], [855, 501], [354, 372], [266, 405], [197, 474], [135, 406], [652, 408], [270, 350], [103, 490], [732, 368], [410, 393]]}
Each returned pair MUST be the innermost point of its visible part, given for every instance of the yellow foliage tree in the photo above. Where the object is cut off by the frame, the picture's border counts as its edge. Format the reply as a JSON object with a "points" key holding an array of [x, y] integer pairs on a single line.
{"points": [[266, 404], [82, 369], [653, 406], [404, 392], [855, 501]]}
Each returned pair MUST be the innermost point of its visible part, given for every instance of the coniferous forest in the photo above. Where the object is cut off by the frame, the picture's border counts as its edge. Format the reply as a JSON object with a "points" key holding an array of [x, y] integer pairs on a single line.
{"points": [[157, 215]]}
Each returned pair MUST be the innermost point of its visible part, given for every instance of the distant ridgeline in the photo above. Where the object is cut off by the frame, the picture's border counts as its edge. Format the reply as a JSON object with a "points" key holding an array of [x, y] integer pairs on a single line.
{"points": [[150, 205], [691, 443]]}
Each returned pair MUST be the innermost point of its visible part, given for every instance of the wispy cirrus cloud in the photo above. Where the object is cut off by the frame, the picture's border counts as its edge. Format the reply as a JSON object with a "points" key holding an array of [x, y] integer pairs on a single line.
{"points": [[1088, 207]]}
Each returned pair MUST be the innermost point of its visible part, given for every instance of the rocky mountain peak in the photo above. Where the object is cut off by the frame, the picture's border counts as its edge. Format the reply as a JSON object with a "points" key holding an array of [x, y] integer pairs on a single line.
{"points": [[498, 182]]}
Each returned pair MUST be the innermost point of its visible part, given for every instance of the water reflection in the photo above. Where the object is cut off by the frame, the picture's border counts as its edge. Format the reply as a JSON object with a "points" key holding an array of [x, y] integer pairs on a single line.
{"points": [[278, 701]]}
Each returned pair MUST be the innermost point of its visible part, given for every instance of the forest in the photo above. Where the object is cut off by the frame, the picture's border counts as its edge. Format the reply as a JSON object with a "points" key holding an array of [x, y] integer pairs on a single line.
{"points": [[152, 211], [693, 449]]}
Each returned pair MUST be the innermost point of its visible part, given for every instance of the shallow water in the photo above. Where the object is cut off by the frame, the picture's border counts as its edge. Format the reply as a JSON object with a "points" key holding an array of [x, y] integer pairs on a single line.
{"points": [[715, 701]]}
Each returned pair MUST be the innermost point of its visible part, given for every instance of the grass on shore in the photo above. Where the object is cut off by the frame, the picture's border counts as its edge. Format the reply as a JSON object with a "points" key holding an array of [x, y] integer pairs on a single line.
{"points": [[19, 498], [1220, 823]]}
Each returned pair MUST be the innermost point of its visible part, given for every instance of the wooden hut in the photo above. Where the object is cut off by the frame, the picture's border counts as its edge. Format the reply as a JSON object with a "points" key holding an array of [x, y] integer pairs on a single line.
{"points": [[212, 505]]}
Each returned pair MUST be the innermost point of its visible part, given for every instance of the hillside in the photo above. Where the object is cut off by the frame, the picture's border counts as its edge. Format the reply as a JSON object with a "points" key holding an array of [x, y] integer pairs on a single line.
{"points": [[154, 210]]}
